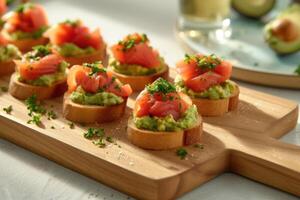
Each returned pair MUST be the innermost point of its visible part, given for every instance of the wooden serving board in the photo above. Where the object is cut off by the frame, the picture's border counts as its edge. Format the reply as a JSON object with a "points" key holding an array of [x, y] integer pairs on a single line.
{"points": [[241, 141]]}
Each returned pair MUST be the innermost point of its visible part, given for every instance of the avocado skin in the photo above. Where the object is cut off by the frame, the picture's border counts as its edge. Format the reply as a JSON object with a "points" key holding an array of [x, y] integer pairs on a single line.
{"points": [[254, 15], [278, 45]]}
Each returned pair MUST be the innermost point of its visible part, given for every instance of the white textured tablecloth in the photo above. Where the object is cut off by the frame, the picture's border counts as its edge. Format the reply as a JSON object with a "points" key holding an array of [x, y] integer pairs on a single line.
{"points": [[24, 175]]}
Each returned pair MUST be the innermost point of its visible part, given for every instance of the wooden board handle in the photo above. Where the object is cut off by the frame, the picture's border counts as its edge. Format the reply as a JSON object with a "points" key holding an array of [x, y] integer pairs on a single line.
{"points": [[270, 162]]}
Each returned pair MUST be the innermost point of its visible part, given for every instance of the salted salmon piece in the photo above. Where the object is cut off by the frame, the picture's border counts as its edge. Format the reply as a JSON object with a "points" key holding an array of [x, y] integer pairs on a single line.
{"points": [[80, 76], [33, 70], [162, 105], [200, 78], [30, 20], [140, 54], [204, 81], [88, 83], [188, 70], [3, 41], [78, 34], [3, 7]]}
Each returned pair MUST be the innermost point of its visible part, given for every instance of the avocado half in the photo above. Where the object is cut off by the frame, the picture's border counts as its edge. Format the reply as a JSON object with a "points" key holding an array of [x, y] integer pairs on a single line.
{"points": [[283, 33], [253, 8]]}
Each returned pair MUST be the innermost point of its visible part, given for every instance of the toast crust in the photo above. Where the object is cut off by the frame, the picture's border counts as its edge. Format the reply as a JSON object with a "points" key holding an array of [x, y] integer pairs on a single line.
{"points": [[91, 113], [213, 108], [7, 67], [163, 140], [138, 83], [22, 91]]}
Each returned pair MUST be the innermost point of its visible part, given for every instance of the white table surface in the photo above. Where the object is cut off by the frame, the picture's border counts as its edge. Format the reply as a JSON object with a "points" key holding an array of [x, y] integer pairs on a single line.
{"points": [[24, 175]]}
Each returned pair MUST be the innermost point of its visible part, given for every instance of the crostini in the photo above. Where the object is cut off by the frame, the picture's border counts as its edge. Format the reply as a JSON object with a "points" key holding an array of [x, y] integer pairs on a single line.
{"points": [[8, 53], [163, 118], [40, 72], [94, 95], [206, 80], [76, 43], [24, 27], [135, 62]]}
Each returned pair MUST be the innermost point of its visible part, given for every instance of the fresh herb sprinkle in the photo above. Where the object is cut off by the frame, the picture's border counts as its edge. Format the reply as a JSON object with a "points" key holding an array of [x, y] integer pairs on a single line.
{"points": [[8, 109], [71, 125], [181, 152], [162, 86]]}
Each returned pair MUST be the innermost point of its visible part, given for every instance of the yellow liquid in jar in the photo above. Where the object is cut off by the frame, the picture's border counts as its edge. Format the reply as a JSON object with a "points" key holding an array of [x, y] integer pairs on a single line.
{"points": [[205, 10]]}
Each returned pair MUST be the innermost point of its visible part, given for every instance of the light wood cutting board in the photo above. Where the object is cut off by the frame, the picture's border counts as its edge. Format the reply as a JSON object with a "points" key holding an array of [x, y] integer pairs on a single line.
{"points": [[243, 142]]}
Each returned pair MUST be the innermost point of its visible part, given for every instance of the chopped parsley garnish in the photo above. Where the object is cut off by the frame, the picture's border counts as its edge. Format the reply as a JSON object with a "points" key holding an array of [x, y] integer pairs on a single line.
{"points": [[182, 153], [34, 106], [36, 110], [8, 109], [91, 132], [51, 115], [42, 50], [38, 52], [297, 70], [144, 38], [110, 139], [2, 22], [8, 2], [38, 33], [128, 44], [96, 68], [200, 146], [100, 139], [132, 40], [71, 22], [52, 127], [99, 142], [204, 62], [35, 119], [22, 7], [3, 88], [161, 85], [117, 87], [71, 125]]}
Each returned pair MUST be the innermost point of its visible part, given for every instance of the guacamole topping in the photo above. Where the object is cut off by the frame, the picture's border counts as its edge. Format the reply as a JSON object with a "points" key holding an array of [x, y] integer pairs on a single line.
{"points": [[136, 70], [168, 123], [72, 50], [48, 79], [220, 91], [20, 35], [100, 98], [9, 52]]}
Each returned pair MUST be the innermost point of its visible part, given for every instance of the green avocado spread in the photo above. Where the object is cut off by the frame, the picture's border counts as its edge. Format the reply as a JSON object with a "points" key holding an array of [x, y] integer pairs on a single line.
{"points": [[9, 52], [168, 123], [48, 79], [100, 98], [220, 91], [136, 70], [20, 35], [72, 50]]}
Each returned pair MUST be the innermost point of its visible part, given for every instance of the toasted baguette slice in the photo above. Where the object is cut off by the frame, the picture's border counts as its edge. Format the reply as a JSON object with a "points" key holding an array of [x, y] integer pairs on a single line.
{"points": [[212, 108], [138, 83], [99, 55], [26, 45], [163, 140], [90, 113], [22, 91], [7, 67]]}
